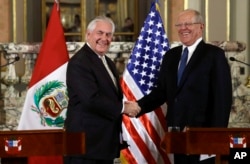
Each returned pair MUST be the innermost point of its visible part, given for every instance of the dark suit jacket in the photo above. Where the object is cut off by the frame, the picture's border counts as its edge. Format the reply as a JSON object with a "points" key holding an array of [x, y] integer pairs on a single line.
{"points": [[94, 104], [204, 95]]}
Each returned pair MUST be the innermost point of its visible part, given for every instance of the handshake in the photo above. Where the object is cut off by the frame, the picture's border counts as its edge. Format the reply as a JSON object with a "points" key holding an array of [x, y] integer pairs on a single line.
{"points": [[131, 108]]}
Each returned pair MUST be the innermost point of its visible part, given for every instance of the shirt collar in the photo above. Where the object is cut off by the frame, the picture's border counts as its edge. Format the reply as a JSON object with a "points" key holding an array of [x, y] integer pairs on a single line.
{"points": [[192, 47], [100, 56]]}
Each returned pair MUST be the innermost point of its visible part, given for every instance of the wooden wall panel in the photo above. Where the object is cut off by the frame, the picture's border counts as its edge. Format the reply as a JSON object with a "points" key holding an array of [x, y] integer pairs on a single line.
{"points": [[5, 28]]}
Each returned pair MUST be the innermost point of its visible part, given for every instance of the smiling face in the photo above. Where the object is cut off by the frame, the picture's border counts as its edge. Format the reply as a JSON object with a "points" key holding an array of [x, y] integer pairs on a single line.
{"points": [[100, 37], [189, 27]]}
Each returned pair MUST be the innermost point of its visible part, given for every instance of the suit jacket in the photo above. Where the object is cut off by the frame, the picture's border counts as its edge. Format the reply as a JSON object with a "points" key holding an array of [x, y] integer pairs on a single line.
{"points": [[95, 104], [204, 95]]}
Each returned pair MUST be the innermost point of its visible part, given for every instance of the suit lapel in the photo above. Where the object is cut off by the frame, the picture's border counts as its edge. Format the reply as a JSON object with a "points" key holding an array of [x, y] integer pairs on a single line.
{"points": [[98, 63], [193, 61]]}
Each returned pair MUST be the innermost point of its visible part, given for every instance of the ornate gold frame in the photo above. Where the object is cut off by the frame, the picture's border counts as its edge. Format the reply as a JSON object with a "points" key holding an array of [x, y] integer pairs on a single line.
{"points": [[76, 5], [134, 17], [89, 9]]}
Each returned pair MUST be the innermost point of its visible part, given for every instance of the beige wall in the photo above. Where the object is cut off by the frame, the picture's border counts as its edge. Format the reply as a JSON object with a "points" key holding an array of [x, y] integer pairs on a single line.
{"points": [[225, 20], [174, 8], [216, 20]]}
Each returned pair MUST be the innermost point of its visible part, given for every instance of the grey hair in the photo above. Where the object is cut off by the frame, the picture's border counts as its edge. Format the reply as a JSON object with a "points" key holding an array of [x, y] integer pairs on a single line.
{"points": [[101, 18], [198, 17]]}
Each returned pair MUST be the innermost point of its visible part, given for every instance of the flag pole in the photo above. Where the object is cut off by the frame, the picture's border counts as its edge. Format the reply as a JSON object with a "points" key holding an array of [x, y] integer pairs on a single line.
{"points": [[152, 125], [57, 2]]}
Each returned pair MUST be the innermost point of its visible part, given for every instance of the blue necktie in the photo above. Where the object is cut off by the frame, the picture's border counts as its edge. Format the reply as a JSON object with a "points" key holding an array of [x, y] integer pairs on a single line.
{"points": [[183, 63]]}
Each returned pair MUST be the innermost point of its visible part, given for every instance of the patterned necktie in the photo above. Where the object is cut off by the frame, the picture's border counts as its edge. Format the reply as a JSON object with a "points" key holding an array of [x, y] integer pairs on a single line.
{"points": [[109, 71], [183, 63]]}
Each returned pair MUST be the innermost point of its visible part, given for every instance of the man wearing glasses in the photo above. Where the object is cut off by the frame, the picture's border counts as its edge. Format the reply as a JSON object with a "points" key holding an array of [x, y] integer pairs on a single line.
{"points": [[194, 81]]}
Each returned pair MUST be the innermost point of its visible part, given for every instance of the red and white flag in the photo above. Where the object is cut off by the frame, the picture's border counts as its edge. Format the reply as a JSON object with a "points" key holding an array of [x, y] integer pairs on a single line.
{"points": [[144, 134], [46, 100]]}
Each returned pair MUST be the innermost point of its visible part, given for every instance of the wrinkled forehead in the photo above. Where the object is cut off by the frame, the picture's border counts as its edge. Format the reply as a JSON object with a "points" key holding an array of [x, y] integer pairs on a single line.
{"points": [[103, 26]]}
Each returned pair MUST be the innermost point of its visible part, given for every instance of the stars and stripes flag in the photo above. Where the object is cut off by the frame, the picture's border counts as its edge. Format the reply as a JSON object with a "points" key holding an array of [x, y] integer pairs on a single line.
{"points": [[144, 134], [46, 100]]}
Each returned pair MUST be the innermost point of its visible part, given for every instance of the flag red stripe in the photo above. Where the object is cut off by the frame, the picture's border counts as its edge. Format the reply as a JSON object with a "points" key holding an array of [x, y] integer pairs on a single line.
{"points": [[53, 54], [126, 91], [128, 156], [161, 118], [54, 36], [153, 123], [154, 136], [147, 123], [131, 129], [139, 142]]}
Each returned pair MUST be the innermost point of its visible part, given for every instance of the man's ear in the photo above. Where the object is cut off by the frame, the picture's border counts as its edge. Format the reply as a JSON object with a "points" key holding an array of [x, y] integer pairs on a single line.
{"points": [[202, 26]]}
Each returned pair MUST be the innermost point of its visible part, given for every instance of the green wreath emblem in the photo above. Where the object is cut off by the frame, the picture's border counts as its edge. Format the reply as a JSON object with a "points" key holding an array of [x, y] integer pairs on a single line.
{"points": [[45, 90]]}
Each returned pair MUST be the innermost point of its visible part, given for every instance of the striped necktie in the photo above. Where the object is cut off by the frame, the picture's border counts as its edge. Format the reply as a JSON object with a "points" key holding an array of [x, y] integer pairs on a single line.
{"points": [[109, 71]]}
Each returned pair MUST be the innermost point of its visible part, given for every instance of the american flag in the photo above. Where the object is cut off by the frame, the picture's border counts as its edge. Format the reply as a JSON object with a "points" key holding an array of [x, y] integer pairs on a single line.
{"points": [[144, 134]]}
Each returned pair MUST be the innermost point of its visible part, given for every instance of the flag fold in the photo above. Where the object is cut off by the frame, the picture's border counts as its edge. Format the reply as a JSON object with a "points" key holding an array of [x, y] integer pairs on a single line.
{"points": [[46, 99], [144, 133]]}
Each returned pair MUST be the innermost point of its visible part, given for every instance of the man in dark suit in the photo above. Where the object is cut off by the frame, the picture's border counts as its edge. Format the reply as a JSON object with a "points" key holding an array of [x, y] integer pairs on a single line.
{"points": [[202, 96], [95, 97]]}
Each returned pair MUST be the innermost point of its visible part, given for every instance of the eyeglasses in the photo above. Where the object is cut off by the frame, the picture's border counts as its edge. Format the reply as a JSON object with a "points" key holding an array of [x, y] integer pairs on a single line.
{"points": [[186, 24]]}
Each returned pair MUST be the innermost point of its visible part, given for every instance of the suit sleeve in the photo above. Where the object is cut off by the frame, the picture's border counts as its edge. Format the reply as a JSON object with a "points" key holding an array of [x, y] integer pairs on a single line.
{"points": [[90, 91], [157, 96], [222, 91]]}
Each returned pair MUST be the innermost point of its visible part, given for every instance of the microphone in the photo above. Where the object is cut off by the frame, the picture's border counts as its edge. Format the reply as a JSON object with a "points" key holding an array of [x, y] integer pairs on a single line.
{"points": [[233, 59], [17, 58]]}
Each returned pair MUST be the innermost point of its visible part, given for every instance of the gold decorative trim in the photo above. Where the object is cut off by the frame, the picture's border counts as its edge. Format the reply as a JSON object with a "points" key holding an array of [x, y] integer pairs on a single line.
{"points": [[83, 16], [228, 20], [206, 20], [99, 6], [166, 15], [96, 7], [43, 17], [14, 21], [136, 17], [25, 20], [83, 7], [185, 4]]}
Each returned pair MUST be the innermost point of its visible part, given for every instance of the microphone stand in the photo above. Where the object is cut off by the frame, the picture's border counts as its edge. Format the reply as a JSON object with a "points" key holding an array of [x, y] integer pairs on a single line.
{"points": [[233, 59], [17, 58], [247, 64], [10, 78]]}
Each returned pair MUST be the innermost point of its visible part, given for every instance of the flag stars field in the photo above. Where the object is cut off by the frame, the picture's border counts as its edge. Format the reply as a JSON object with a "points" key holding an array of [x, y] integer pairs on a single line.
{"points": [[139, 78], [148, 51]]}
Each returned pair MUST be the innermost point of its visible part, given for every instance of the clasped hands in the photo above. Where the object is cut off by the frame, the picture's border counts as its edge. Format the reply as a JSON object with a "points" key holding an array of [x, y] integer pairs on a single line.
{"points": [[131, 108]]}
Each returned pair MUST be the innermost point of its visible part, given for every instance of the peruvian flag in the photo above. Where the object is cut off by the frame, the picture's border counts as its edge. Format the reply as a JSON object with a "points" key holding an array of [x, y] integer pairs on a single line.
{"points": [[46, 100]]}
